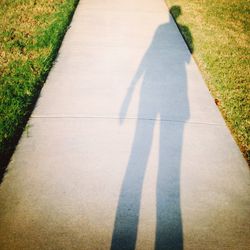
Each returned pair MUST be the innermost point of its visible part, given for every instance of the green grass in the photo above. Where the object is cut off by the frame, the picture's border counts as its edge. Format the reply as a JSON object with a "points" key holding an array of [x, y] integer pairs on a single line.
{"points": [[30, 35], [221, 46]]}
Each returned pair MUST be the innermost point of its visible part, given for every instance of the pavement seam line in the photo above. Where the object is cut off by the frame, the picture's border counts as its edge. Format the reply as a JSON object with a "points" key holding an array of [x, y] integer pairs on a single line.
{"points": [[123, 118]]}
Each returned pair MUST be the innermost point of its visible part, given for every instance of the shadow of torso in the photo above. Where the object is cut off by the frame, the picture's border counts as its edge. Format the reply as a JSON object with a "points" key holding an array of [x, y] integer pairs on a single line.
{"points": [[164, 90]]}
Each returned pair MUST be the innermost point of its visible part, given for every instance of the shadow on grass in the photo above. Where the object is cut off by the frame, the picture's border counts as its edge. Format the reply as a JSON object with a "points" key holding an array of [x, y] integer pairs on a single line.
{"points": [[185, 31]]}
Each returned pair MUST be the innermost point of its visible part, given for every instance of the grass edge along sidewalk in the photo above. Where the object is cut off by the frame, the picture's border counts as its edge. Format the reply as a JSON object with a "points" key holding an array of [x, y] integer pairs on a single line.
{"points": [[31, 33], [220, 43]]}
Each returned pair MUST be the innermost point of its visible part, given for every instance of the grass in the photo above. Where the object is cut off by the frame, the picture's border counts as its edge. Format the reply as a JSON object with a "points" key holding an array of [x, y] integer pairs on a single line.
{"points": [[221, 46], [30, 35]]}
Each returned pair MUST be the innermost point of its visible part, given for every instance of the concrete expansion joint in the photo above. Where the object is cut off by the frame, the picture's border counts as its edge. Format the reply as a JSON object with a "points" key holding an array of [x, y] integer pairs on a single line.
{"points": [[122, 118], [124, 11]]}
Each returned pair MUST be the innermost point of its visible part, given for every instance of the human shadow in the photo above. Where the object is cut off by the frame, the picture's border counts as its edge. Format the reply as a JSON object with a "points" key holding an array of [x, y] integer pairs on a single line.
{"points": [[163, 99]]}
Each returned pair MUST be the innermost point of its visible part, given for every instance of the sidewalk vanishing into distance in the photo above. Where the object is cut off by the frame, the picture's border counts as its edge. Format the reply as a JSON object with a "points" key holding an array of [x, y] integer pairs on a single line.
{"points": [[125, 148]]}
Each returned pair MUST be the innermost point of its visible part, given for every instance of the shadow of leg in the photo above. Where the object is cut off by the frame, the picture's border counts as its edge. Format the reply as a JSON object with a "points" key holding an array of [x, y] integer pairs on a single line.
{"points": [[169, 222], [127, 215]]}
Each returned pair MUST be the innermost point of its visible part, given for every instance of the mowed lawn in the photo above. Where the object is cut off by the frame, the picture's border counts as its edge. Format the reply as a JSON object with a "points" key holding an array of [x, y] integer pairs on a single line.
{"points": [[221, 40], [30, 34]]}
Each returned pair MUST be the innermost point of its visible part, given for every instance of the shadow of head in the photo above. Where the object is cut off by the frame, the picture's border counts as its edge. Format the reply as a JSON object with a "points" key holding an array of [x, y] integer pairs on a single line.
{"points": [[185, 31], [175, 11]]}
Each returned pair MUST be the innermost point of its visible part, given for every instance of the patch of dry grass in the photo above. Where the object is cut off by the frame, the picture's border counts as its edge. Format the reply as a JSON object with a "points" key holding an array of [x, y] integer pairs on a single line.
{"points": [[30, 35]]}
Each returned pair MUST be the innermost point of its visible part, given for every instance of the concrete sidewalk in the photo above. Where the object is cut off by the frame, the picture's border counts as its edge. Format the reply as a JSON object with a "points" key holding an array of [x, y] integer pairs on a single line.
{"points": [[125, 148]]}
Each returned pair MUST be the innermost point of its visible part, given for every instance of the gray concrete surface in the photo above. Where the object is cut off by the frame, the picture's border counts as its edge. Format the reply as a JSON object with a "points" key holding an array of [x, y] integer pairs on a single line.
{"points": [[125, 148]]}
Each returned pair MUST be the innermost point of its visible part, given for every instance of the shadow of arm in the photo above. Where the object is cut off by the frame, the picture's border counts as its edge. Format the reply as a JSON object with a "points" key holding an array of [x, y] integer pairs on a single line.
{"points": [[127, 99]]}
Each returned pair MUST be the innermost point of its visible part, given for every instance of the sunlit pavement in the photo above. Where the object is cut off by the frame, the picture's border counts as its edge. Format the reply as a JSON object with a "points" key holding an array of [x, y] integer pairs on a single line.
{"points": [[125, 148]]}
